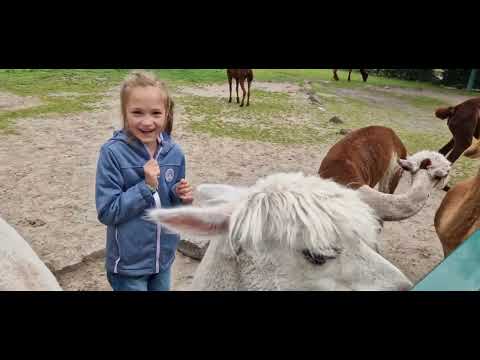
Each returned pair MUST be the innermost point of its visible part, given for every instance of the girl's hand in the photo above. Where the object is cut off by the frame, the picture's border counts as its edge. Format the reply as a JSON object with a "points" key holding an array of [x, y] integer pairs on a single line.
{"points": [[184, 191], [152, 172]]}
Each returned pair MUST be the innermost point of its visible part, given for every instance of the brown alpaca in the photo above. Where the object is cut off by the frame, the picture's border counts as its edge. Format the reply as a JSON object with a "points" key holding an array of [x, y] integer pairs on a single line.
{"points": [[240, 75], [366, 156], [464, 124], [458, 215], [362, 71]]}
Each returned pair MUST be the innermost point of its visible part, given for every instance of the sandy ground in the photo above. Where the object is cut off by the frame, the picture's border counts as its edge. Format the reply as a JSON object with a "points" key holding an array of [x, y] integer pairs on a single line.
{"points": [[47, 172], [90, 275]]}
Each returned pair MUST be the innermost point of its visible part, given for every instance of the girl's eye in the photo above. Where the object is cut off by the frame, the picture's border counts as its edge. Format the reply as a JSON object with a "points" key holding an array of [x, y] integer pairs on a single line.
{"points": [[157, 113], [137, 112]]}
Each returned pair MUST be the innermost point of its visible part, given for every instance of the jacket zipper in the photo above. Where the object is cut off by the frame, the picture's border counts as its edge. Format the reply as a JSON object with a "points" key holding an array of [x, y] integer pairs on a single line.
{"points": [[115, 269], [158, 204]]}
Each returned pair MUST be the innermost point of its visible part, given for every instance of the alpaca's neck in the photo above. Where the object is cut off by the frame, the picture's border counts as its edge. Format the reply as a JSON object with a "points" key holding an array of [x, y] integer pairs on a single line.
{"points": [[217, 270], [413, 201], [220, 270], [422, 187], [402, 206]]}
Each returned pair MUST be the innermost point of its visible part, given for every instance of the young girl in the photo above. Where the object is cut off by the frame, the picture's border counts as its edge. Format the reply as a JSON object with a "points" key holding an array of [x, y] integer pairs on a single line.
{"points": [[140, 167]]}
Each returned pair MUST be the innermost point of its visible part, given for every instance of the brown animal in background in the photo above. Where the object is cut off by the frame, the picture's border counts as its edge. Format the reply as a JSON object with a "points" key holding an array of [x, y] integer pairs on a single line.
{"points": [[473, 152], [464, 124], [362, 71], [366, 156], [458, 215], [240, 75]]}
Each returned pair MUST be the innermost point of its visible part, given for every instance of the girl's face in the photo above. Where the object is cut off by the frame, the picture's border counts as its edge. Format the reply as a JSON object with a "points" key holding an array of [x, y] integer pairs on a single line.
{"points": [[145, 112]]}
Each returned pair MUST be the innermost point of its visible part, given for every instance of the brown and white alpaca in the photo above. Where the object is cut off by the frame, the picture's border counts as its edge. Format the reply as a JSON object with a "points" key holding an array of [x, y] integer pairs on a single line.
{"points": [[240, 75], [458, 215], [20, 267], [367, 156], [429, 171]]}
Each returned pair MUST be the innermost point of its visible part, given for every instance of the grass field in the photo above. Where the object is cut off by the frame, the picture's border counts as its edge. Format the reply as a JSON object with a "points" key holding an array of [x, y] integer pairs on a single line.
{"points": [[273, 116]]}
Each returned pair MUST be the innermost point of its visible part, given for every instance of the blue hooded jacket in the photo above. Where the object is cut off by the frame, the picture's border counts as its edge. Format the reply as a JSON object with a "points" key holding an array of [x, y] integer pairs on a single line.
{"points": [[136, 246]]}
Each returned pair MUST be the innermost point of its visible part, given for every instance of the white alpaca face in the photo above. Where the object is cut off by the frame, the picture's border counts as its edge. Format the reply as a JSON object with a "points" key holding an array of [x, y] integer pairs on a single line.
{"points": [[357, 267], [437, 166], [291, 232]]}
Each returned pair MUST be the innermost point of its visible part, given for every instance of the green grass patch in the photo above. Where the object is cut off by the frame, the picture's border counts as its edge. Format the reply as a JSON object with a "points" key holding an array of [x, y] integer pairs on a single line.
{"points": [[264, 132], [265, 105], [64, 106], [273, 117], [261, 121], [43, 82], [421, 101], [88, 85], [192, 76]]}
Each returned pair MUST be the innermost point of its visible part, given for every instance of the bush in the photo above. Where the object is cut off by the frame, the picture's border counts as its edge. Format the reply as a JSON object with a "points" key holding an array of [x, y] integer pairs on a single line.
{"points": [[408, 74], [456, 77], [449, 77]]}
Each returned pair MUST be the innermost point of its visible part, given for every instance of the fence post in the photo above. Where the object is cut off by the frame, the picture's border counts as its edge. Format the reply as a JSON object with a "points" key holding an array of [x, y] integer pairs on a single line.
{"points": [[471, 79]]}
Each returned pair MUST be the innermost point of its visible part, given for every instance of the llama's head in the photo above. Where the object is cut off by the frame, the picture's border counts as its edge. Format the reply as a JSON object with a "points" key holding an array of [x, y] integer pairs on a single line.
{"points": [[436, 165], [290, 232]]}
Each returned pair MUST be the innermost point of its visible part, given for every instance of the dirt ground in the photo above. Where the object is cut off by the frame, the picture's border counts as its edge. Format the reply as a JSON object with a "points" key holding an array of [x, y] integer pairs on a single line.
{"points": [[47, 172]]}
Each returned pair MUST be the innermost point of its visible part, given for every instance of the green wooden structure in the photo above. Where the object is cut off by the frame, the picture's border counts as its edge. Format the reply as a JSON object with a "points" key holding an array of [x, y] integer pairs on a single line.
{"points": [[460, 271], [471, 79]]}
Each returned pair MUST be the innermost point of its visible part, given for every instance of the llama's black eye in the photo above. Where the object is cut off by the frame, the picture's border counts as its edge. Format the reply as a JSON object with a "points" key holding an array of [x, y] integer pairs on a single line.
{"points": [[316, 259]]}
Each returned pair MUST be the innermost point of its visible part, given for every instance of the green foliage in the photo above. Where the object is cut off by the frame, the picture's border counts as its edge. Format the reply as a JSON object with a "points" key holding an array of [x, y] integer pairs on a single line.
{"points": [[456, 77], [409, 74]]}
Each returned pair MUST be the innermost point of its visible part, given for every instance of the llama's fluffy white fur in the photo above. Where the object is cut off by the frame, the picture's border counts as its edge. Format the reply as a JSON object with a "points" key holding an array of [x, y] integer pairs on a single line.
{"points": [[301, 212]]}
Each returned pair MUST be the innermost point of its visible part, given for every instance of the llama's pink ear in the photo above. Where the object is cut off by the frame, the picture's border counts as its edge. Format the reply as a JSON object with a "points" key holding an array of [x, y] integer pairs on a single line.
{"points": [[193, 221]]}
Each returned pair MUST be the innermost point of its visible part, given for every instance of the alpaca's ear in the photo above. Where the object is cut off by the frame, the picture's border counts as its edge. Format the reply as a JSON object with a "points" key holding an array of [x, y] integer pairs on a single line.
{"points": [[407, 165], [214, 194], [193, 221], [425, 164]]}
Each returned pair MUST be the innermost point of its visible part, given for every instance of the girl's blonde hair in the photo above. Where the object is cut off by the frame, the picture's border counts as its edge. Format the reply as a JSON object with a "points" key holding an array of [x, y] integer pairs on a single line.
{"points": [[143, 78]]}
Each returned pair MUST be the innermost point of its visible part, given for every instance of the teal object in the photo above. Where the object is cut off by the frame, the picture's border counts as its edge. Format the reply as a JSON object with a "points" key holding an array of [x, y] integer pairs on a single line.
{"points": [[471, 79], [460, 271]]}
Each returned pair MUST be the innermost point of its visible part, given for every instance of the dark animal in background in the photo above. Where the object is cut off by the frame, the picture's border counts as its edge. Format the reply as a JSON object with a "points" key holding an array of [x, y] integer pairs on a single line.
{"points": [[464, 124], [366, 156], [240, 75], [362, 71]]}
